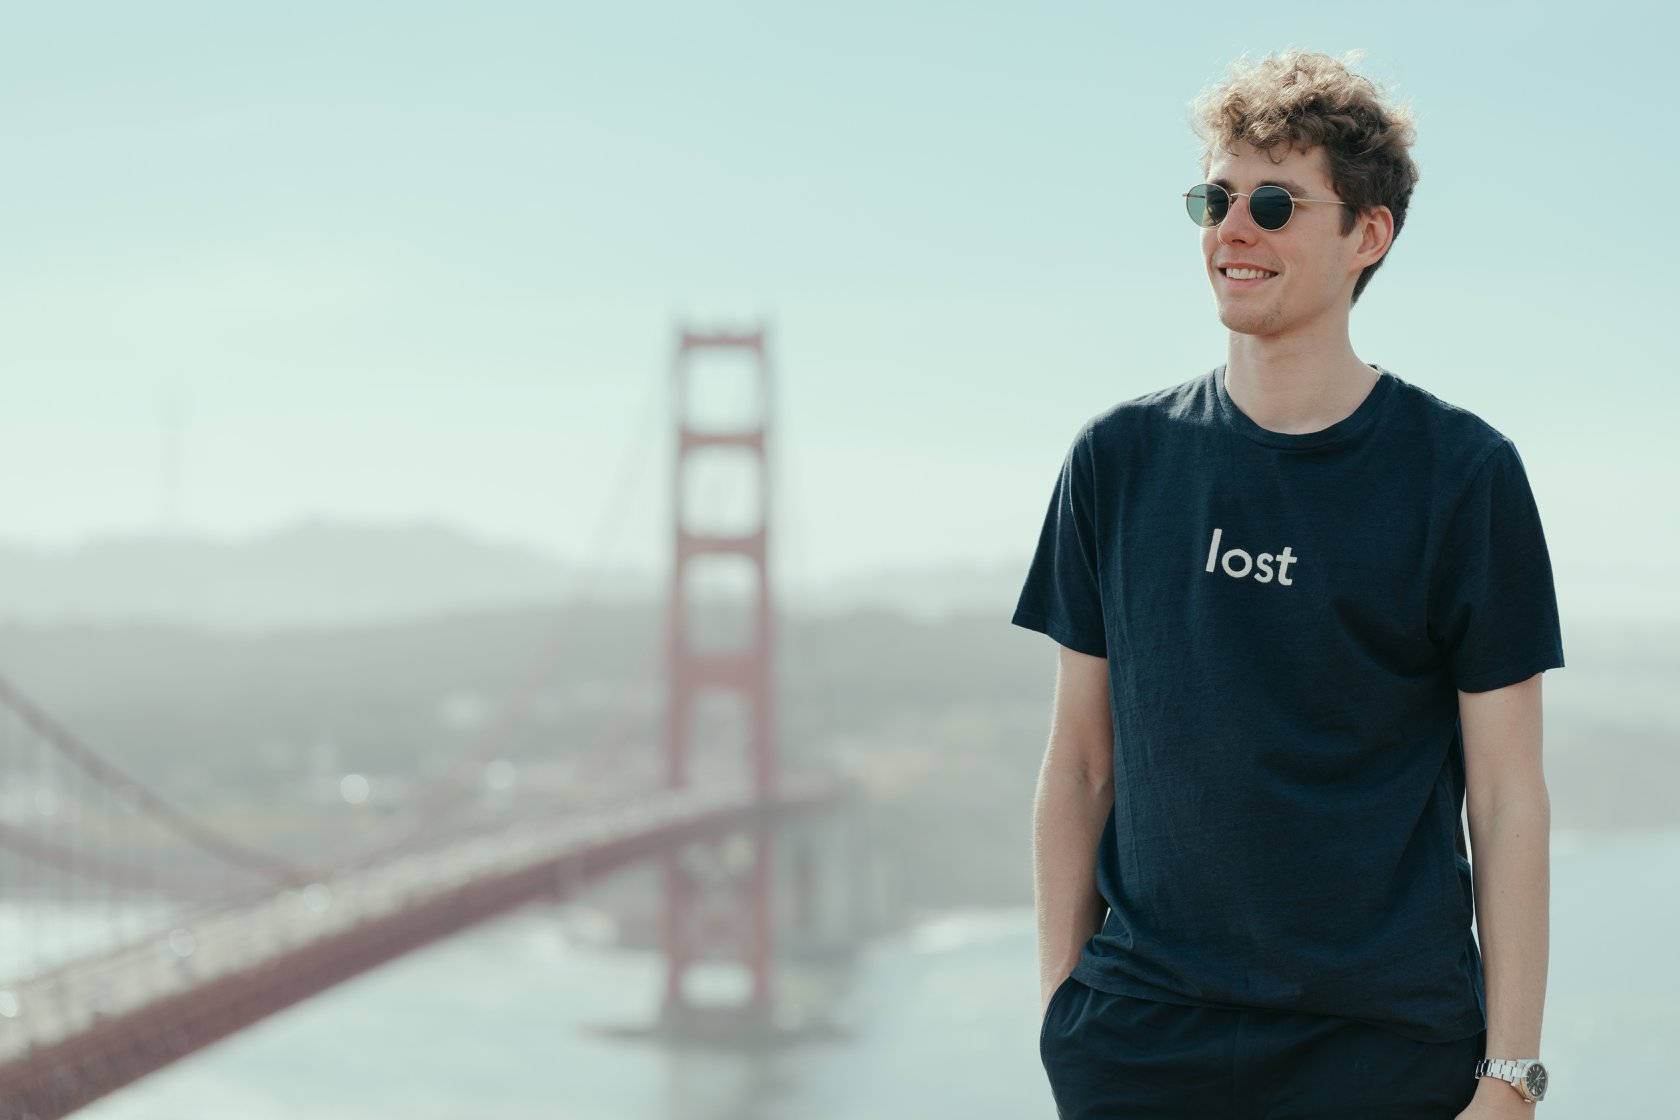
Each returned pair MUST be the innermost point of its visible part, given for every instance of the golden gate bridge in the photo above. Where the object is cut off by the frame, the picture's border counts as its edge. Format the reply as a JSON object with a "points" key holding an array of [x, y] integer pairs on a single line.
{"points": [[205, 934]]}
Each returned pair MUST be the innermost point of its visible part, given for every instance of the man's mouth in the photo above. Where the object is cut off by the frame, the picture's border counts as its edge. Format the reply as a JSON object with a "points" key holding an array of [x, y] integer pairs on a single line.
{"points": [[1246, 277]]}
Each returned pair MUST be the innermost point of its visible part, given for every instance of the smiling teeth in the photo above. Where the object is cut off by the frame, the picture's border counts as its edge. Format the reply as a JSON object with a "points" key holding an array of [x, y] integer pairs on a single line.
{"points": [[1247, 273]]}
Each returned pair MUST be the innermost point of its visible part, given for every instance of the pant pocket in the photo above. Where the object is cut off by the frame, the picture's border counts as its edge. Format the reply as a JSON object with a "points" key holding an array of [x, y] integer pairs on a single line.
{"points": [[1050, 1010], [1459, 1074]]}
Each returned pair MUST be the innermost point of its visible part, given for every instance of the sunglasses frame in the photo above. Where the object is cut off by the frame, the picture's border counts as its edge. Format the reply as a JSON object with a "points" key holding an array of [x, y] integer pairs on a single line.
{"points": [[1232, 197]]}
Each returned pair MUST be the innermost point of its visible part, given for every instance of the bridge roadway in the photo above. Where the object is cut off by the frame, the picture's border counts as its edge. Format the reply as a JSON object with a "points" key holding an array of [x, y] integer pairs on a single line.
{"points": [[80, 1031]]}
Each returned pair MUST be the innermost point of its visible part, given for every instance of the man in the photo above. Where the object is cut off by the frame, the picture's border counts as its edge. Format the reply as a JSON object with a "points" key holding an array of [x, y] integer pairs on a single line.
{"points": [[1304, 606]]}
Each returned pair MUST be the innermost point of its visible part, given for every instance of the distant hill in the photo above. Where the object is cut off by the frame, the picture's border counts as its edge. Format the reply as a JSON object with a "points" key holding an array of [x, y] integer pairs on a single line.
{"points": [[314, 573], [335, 573]]}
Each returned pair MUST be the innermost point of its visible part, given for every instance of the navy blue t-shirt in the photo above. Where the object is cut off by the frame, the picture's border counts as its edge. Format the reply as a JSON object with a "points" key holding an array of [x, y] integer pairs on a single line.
{"points": [[1287, 619]]}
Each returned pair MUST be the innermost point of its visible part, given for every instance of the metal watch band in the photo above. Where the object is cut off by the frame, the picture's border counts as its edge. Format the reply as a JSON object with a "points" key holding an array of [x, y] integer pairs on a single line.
{"points": [[1508, 1070]]}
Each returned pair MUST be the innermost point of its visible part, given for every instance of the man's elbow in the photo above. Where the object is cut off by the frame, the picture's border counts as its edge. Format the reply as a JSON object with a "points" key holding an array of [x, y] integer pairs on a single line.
{"points": [[1530, 800]]}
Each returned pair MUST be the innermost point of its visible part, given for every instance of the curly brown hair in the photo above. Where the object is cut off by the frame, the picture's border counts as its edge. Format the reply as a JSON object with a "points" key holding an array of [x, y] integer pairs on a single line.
{"points": [[1306, 99]]}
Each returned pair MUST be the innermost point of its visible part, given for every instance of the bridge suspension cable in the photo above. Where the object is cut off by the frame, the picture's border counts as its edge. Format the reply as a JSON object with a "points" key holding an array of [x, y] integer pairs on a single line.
{"points": [[143, 798]]}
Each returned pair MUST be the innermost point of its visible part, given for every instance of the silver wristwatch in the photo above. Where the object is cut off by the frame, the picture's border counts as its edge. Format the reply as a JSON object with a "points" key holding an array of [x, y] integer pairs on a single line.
{"points": [[1526, 1075]]}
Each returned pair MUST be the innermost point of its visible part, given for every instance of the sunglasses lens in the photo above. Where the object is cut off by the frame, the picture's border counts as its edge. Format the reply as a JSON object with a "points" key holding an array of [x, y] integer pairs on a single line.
{"points": [[1207, 204], [1270, 207]]}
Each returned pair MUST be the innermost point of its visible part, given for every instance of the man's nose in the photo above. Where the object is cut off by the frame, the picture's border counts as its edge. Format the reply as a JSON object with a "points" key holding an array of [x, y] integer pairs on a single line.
{"points": [[1238, 224]]}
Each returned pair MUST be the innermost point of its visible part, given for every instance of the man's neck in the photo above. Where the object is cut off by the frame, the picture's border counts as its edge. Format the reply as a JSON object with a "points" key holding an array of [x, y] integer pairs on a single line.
{"points": [[1295, 385]]}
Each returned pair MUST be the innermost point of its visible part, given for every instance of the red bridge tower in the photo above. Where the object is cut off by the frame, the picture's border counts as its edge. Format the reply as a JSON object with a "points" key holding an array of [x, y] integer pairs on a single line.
{"points": [[718, 895]]}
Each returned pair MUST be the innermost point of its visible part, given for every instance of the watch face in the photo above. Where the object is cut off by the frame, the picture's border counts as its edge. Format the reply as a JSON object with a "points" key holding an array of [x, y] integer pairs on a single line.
{"points": [[1536, 1081]]}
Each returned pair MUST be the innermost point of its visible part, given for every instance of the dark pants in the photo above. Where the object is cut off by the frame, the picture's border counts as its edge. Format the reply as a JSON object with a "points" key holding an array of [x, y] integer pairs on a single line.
{"points": [[1112, 1056]]}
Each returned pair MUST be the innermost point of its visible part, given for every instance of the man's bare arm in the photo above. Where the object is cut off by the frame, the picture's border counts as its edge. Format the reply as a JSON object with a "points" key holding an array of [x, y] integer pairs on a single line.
{"points": [[1510, 826], [1075, 793]]}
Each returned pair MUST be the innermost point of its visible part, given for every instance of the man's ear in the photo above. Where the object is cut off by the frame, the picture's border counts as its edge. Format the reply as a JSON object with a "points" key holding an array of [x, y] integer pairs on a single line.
{"points": [[1376, 233]]}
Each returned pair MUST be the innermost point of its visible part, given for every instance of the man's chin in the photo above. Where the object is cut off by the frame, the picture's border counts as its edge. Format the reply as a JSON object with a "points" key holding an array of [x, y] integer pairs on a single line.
{"points": [[1248, 322]]}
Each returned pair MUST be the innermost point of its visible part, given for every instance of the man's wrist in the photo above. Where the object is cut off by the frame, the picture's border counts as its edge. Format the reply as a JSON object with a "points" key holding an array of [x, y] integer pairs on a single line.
{"points": [[1491, 1086]]}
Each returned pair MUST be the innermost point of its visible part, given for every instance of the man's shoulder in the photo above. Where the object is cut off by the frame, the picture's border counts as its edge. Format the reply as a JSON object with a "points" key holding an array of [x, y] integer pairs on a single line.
{"points": [[1188, 401], [1453, 433]]}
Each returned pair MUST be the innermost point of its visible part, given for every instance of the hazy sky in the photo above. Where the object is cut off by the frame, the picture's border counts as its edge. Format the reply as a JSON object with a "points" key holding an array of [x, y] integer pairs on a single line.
{"points": [[398, 261]]}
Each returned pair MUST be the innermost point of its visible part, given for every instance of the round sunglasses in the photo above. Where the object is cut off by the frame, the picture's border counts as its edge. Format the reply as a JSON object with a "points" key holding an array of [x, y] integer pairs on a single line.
{"points": [[1270, 206]]}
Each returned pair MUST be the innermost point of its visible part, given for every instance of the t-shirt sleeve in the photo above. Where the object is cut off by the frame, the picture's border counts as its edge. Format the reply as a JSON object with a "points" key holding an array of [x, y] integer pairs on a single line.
{"points": [[1061, 595], [1493, 607]]}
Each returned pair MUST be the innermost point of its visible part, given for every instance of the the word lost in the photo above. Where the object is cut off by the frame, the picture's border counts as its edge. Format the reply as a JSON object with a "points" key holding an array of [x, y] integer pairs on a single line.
{"points": [[1238, 564]]}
